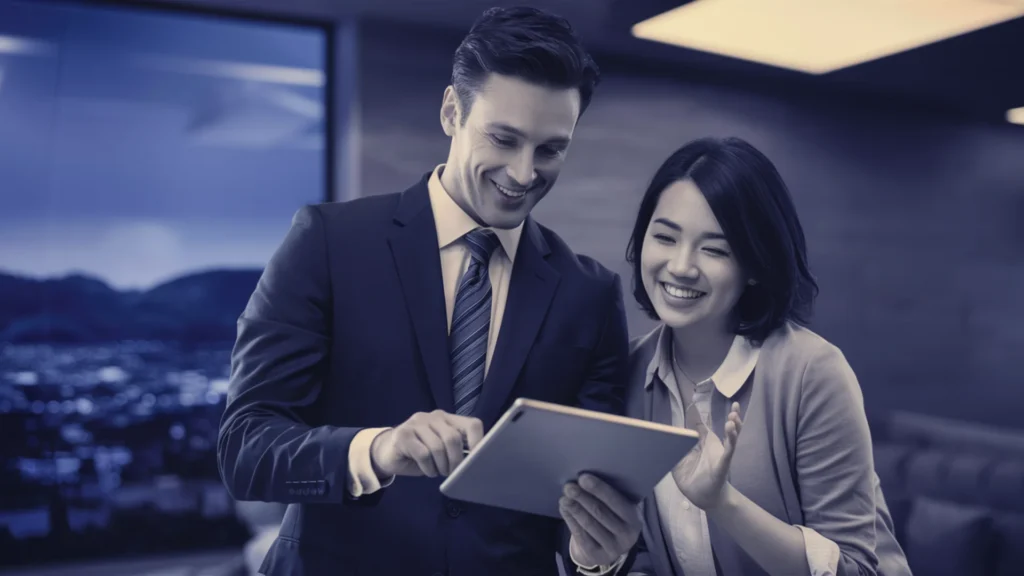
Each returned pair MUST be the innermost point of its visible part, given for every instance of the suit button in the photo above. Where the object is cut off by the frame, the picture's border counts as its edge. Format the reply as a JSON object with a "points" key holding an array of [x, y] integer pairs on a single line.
{"points": [[454, 510]]}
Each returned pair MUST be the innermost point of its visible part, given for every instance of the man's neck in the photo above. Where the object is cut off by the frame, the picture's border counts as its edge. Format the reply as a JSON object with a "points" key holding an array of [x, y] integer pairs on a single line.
{"points": [[452, 187], [447, 178]]}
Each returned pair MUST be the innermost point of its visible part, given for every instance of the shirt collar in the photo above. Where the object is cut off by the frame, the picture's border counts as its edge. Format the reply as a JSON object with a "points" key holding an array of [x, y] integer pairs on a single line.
{"points": [[453, 223], [739, 363]]}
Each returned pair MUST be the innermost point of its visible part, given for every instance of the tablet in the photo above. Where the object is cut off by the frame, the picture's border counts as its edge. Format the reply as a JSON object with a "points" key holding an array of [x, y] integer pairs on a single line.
{"points": [[524, 461]]}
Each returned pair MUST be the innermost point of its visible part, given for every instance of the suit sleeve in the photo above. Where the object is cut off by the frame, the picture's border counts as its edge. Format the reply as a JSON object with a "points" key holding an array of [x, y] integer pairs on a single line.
{"points": [[834, 465], [269, 448], [604, 389], [638, 563]]}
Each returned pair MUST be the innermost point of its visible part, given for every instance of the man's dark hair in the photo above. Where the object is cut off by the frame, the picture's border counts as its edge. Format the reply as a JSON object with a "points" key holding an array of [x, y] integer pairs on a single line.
{"points": [[752, 204], [525, 43]]}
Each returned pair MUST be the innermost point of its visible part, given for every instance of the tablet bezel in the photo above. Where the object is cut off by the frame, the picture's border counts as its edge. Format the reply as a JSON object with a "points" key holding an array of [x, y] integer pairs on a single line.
{"points": [[453, 487]]}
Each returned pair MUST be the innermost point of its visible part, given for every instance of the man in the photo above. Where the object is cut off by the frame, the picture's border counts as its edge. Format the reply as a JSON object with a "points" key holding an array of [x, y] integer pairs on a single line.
{"points": [[388, 331]]}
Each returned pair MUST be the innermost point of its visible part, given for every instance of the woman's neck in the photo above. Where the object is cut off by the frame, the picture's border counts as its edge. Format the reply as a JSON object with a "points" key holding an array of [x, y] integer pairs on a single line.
{"points": [[699, 351]]}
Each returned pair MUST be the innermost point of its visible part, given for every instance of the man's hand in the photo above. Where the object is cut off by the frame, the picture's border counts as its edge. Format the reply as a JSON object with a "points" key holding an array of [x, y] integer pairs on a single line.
{"points": [[604, 523], [425, 445]]}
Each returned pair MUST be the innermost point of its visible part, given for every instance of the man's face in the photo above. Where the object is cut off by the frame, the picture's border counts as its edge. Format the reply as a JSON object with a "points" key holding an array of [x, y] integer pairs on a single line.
{"points": [[507, 154]]}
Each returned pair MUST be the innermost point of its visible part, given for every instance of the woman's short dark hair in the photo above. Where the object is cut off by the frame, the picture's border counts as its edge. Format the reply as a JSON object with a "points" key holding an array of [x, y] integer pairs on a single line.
{"points": [[526, 43], [753, 206]]}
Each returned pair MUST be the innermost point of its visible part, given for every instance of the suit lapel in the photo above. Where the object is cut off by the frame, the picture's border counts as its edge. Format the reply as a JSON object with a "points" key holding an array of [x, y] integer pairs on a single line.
{"points": [[418, 263], [531, 289]]}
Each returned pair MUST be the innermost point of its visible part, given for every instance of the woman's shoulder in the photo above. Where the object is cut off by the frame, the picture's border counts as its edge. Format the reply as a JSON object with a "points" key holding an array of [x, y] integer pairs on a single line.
{"points": [[795, 343], [797, 351]]}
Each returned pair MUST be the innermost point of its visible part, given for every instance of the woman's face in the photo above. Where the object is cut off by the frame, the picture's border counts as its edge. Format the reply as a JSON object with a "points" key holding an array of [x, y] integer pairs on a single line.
{"points": [[686, 265]]}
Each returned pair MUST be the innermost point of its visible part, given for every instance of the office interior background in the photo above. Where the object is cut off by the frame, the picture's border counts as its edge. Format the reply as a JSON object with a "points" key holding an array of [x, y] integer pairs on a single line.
{"points": [[152, 155]]}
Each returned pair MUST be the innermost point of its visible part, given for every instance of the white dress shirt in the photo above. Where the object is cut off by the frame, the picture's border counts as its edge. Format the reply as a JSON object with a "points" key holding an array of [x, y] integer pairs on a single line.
{"points": [[685, 525], [452, 224]]}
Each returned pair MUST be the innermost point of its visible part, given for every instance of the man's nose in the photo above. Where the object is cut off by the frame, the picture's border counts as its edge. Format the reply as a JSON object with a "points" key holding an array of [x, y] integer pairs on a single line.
{"points": [[522, 171]]}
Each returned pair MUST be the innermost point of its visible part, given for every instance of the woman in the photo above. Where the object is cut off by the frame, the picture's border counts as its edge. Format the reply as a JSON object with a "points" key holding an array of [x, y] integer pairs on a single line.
{"points": [[719, 259]]}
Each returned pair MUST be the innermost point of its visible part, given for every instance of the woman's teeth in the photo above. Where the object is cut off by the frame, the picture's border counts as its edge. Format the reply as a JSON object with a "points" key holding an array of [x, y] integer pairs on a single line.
{"points": [[686, 293]]}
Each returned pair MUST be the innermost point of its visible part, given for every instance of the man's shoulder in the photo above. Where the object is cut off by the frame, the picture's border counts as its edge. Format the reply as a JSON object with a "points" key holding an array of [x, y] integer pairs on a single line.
{"points": [[373, 210], [645, 344], [381, 206], [574, 264], [353, 218]]}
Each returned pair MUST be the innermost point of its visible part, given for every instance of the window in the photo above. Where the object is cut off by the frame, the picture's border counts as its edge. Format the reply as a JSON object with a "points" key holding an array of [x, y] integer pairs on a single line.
{"points": [[150, 162]]}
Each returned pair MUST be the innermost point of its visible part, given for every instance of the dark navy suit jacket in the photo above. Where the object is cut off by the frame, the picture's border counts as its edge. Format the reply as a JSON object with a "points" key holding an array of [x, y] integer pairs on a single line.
{"points": [[347, 330]]}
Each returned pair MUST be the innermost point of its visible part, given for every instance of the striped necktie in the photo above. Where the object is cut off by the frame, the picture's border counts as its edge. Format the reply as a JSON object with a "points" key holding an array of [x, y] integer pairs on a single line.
{"points": [[471, 322]]}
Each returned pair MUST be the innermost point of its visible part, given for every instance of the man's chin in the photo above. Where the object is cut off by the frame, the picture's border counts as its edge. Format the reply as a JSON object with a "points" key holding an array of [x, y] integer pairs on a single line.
{"points": [[503, 217], [507, 220]]}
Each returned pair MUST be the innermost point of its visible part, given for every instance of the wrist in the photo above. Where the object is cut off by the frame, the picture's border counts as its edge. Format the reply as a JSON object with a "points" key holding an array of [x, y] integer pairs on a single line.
{"points": [[575, 555], [728, 499], [377, 461], [587, 567]]}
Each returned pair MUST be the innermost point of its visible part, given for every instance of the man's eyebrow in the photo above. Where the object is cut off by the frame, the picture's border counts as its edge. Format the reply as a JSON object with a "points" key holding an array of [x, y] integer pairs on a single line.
{"points": [[563, 140]]}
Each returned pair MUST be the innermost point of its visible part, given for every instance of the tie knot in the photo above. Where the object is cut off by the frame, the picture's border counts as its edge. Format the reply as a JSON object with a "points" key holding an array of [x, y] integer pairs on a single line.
{"points": [[482, 243]]}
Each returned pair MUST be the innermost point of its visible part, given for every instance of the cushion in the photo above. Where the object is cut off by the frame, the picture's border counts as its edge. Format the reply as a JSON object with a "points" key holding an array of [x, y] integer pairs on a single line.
{"points": [[946, 539], [1009, 529], [967, 476], [1006, 486], [926, 474]]}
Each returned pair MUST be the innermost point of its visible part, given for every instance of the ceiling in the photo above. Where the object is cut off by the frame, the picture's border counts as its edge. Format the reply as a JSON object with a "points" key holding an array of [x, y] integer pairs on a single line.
{"points": [[977, 74]]}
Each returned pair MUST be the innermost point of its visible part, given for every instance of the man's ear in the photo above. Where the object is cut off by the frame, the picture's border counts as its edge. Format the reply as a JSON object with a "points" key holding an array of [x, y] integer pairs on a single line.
{"points": [[449, 111]]}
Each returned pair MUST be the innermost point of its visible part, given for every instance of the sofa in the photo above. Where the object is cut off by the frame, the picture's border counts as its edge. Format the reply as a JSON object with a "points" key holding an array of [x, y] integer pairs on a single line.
{"points": [[956, 494]]}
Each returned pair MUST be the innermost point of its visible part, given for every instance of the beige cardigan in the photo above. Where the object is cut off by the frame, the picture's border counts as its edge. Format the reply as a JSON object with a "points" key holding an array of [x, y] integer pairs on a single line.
{"points": [[805, 455]]}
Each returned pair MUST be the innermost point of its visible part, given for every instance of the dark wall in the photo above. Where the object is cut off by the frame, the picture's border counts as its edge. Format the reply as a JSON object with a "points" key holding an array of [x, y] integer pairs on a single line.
{"points": [[915, 223]]}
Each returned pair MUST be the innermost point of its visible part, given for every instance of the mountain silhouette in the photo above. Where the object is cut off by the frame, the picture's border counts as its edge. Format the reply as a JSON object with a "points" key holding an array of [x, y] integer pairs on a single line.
{"points": [[198, 307]]}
